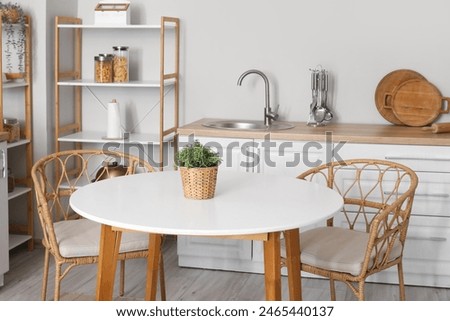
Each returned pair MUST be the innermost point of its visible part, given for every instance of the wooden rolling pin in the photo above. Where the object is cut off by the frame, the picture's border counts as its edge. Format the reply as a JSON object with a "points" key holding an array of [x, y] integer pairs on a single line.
{"points": [[438, 128]]}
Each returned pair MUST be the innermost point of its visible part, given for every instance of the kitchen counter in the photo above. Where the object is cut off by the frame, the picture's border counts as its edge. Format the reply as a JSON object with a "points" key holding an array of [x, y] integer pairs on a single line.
{"points": [[353, 133], [426, 261], [3, 136]]}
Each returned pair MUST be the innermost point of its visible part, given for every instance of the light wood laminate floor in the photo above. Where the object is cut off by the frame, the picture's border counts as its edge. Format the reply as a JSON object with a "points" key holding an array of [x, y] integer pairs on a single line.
{"points": [[23, 282]]}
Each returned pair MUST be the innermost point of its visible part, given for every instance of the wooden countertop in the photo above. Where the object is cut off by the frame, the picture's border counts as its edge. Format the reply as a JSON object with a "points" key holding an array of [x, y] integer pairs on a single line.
{"points": [[3, 136], [353, 133]]}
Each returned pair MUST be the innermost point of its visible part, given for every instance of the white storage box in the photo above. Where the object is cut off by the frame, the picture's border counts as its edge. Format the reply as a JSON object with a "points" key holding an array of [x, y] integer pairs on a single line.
{"points": [[112, 13]]}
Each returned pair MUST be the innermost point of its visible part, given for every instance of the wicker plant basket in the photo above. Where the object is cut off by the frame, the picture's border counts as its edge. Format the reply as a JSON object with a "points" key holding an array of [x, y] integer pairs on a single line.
{"points": [[199, 183]]}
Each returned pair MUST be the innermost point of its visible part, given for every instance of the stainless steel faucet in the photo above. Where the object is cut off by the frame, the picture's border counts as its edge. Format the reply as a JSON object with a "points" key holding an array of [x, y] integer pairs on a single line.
{"points": [[269, 115]]}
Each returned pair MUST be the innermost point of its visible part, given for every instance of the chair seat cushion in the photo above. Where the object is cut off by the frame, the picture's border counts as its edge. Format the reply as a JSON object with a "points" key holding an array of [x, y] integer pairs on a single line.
{"points": [[80, 238], [337, 249]]}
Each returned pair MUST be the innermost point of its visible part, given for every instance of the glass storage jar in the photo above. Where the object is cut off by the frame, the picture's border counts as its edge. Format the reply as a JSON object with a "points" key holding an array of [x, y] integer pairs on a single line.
{"points": [[103, 68], [12, 126], [121, 64]]}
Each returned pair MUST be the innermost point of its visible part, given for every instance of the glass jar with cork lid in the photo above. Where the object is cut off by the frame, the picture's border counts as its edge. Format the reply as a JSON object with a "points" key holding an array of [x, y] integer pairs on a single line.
{"points": [[12, 126], [103, 68], [120, 64]]}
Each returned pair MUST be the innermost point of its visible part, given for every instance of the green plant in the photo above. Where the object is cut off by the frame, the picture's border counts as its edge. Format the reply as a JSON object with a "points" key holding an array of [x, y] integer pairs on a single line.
{"points": [[197, 155], [13, 19]]}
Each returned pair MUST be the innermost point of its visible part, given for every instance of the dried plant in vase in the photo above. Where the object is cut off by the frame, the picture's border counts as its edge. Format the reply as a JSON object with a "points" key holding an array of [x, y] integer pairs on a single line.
{"points": [[13, 19], [198, 166]]}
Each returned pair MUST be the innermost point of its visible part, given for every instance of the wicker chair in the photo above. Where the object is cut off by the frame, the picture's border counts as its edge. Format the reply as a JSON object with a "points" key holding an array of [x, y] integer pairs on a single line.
{"points": [[378, 196], [72, 240]]}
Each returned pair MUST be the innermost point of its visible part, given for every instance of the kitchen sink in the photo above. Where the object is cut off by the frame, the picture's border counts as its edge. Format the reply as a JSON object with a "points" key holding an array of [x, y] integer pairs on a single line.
{"points": [[247, 125]]}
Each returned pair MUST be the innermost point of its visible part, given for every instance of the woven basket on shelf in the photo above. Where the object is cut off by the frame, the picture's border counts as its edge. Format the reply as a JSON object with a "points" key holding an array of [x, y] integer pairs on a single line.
{"points": [[199, 183], [10, 15]]}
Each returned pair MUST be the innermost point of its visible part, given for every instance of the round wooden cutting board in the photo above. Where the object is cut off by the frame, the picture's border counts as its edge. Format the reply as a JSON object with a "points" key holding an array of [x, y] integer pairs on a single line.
{"points": [[417, 102], [388, 85]]}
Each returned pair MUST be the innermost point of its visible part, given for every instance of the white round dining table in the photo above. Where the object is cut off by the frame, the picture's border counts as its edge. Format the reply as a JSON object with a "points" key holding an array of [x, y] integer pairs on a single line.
{"points": [[247, 205]]}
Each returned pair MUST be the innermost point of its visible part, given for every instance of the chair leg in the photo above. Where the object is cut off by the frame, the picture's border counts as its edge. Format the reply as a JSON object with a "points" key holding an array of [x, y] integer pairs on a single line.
{"points": [[45, 275], [360, 294], [332, 290], [401, 282], [162, 281], [122, 278], [57, 280]]}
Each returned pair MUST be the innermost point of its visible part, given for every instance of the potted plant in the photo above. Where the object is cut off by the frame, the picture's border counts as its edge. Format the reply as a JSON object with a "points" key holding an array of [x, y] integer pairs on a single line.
{"points": [[13, 19], [198, 166]]}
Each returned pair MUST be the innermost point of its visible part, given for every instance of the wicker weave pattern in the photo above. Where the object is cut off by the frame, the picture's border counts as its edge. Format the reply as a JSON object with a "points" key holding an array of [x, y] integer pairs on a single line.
{"points": [[55, 178], [199, 183], [378, 197]]}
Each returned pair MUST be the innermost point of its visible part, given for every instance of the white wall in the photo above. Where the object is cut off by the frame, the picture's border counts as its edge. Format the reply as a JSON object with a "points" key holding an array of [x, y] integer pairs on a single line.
{"points": [[357, 41], [42, 14]]}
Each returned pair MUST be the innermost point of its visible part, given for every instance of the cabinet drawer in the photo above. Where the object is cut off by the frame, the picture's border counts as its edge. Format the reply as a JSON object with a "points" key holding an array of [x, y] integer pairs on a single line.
{"points": [[207, 247], [426, 257], [432, 196], [418, 158]]}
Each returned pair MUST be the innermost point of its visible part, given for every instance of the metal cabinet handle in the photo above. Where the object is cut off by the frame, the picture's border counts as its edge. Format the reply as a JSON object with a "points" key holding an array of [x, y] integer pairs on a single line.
{"points": [[3, 157], [441, 195], [415, 158], [431, 238]]}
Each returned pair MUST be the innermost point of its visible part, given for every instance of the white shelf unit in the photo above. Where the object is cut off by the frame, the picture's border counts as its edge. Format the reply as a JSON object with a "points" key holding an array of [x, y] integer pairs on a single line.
{"points": [[98, 138], [22, 230], [17, 239], [72, 132]]}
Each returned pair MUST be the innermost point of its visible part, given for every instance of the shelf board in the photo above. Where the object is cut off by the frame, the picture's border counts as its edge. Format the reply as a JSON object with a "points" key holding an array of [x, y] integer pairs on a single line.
{"points": [[80, 26], [17, 239], [14, 84], [18, 191], [18, 143], [133, 83], [98, 138]]}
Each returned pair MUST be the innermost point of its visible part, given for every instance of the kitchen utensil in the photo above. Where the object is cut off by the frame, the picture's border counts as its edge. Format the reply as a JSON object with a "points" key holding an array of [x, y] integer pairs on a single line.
{"points": [[417, 102], [328, 115], [322, 114], [319, 113], [387, 85], [438, 128]]}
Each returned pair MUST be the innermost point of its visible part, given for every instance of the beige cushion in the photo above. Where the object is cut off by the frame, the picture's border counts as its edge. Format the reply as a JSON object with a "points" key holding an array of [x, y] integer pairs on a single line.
{"points": [[337, 249], [78, 238]]}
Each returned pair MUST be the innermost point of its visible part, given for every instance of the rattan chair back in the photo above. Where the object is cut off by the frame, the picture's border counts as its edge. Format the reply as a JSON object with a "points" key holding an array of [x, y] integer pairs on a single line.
{"points": [[378, 197], [55, 178]]}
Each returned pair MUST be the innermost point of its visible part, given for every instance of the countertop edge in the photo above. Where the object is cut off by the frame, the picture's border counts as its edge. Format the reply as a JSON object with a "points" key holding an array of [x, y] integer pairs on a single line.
{"points": [[351, 133]]}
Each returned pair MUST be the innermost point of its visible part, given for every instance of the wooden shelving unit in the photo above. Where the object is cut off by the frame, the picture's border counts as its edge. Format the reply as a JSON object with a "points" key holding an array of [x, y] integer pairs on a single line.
{"points": [[21, 233], [72, 132]]}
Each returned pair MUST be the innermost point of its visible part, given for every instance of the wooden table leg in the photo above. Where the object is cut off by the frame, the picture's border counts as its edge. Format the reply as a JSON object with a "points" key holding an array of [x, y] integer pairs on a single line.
{"points": [[272, 267], [107, 263], [154, 255], [292, 239]]}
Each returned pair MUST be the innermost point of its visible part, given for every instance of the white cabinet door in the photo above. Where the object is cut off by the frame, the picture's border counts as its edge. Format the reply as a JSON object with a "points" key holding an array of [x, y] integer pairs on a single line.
{"points": [[4, 254], [291, 158], [220, 253], [418, 157]]}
